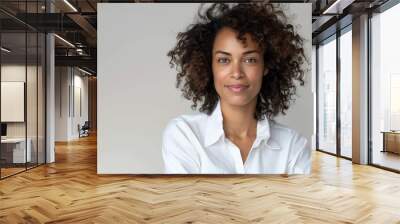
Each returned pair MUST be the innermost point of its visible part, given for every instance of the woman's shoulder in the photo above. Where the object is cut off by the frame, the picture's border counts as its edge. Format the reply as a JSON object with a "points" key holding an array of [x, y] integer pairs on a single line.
{"points": [[296, 145], [285, 135], [282, 130], [193, 122]]}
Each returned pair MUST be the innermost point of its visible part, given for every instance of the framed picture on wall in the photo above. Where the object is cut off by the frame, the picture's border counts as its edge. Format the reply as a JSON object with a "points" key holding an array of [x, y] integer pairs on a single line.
{"points": [[12, 101]]}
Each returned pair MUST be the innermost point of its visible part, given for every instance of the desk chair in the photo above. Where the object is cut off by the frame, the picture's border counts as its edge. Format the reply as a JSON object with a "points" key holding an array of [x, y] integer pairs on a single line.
{"points": [[84, 130]]}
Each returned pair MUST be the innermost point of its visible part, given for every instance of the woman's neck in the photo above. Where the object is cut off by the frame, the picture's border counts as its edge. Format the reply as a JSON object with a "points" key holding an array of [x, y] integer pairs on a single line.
{"points": [[239, 121]]}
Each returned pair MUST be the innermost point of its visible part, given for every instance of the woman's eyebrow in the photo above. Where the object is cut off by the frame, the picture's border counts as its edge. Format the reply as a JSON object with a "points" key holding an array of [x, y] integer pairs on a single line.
{"points": [[222, 52], [246, 52], [251, 51]]}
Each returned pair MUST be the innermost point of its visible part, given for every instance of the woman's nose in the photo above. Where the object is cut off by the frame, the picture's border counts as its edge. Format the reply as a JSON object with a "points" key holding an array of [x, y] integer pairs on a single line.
{"points": [[236, 71]]}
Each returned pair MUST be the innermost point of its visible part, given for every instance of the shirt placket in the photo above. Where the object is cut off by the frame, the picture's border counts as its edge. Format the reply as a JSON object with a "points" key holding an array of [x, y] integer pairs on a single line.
{"points": [[235, 153], [240, 166], [256, 143]]}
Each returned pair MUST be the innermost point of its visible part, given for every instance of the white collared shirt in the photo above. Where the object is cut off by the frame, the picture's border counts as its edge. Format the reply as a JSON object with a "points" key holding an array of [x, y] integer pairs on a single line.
{"points": [[196, 144]]}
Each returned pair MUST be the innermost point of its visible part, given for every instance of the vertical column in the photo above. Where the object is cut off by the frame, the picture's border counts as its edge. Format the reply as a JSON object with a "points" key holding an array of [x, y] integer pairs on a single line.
{"points": [[338, 99], [314, 93], [360, 90], [50, 92]]}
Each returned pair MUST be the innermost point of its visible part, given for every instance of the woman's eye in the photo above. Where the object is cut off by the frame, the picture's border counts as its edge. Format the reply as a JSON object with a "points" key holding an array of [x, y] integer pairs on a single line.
{"points": [[250, 60], [223, 60]]}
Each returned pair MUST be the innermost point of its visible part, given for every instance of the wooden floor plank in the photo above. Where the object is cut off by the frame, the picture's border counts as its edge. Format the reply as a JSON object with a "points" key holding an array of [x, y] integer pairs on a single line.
{"points": [[70, 191]]}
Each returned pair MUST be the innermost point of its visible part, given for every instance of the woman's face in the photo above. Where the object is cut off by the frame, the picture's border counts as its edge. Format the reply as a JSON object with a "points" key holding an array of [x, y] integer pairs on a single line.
{"points": [[238, 70]]}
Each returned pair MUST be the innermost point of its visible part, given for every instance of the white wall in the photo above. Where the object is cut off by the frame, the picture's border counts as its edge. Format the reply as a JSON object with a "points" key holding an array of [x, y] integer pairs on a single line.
{"points": [[61, 103], [136, 86], [68, 81]]}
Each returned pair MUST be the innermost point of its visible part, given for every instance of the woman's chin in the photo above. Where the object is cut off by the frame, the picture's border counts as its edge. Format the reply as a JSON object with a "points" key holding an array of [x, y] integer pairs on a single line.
{"points": [[237, 101]]}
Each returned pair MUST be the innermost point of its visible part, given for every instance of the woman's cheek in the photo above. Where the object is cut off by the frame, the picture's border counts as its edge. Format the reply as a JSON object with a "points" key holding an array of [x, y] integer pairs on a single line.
{"points": [[218, 84]]}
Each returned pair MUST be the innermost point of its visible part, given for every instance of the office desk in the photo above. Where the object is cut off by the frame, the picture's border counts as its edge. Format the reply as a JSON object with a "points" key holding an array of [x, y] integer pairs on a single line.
{"points": [[391, 141], [15, 148]]}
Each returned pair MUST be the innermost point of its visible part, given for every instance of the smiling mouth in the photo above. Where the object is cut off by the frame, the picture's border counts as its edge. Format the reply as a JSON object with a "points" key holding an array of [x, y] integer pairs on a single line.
{"points": [[237, 88]]}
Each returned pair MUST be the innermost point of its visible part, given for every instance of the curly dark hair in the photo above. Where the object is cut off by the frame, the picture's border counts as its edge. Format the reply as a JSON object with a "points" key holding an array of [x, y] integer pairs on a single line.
{"points": [[268, 26]]}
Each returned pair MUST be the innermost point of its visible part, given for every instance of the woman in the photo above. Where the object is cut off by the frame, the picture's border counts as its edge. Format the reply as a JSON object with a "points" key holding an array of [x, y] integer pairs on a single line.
{"points": [[239, 63]]}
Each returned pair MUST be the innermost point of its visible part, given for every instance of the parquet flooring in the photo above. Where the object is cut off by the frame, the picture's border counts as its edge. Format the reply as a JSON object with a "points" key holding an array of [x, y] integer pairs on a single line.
{"points": [[387, 159], [70, 191], [10, 171]]}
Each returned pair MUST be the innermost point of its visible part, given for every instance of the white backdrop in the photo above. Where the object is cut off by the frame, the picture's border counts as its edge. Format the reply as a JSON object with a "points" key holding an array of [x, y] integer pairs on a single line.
{"points": [[136, 87]]}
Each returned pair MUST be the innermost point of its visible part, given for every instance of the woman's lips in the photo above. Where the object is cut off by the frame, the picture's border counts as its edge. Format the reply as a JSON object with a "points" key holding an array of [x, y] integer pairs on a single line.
{"points": [[237, 88]]}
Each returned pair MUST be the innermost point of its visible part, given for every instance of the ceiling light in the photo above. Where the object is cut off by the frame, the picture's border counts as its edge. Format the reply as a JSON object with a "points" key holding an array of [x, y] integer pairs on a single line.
{"points": [[5, 50], [337, 7], [65, 41], [70, 5], [84, 71]]}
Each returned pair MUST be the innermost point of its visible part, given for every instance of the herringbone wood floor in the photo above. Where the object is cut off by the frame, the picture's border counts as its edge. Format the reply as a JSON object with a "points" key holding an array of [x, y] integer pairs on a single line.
{"points": [[70, 191]]}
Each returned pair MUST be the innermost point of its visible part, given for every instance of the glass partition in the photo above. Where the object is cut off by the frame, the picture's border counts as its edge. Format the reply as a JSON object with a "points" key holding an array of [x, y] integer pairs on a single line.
{"points": [[22, 77], [13, 109]]}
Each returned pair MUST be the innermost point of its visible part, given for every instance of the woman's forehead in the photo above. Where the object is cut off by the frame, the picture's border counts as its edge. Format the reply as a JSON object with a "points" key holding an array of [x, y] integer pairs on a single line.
{"points": [[227, 39]]}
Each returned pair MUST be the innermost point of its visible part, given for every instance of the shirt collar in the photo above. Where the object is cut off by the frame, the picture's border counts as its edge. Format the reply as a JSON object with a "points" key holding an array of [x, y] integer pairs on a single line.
{"points": [[215, 129]]}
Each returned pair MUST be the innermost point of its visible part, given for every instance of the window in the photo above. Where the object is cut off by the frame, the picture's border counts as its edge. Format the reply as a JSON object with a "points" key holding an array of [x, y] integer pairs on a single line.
{"points": [[385, 88], [346, 75], [327, 96]]}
